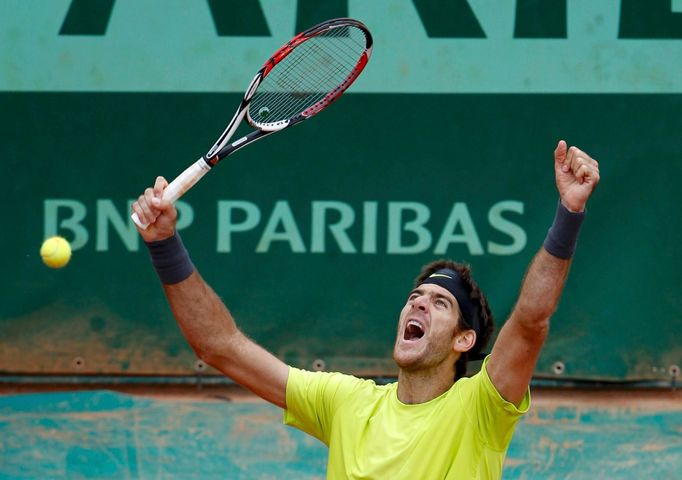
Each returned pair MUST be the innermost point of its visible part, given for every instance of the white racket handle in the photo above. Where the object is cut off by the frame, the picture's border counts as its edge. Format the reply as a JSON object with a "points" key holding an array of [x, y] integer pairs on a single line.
{"points": [[180, 185]]}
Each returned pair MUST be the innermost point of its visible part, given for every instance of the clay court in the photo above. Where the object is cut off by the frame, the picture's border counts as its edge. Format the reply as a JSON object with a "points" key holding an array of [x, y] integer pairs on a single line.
{"points": [[223, 432]]}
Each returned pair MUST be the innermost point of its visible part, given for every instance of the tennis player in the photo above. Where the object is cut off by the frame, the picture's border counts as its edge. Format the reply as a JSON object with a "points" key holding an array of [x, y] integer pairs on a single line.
{"points": [[434, 422]]}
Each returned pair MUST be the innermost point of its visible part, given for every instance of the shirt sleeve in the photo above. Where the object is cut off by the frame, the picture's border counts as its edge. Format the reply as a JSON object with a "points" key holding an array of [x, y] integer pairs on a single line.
{"points": [[494, 417], [314, 397]]}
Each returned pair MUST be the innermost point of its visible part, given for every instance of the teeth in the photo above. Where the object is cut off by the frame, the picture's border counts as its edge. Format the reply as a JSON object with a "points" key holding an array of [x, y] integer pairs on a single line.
{"points": [[415, 323], [414, 330]]}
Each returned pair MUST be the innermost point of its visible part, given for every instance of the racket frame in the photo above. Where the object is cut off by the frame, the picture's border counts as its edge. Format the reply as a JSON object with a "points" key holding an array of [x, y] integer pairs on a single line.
{"points": [[223, 148]]}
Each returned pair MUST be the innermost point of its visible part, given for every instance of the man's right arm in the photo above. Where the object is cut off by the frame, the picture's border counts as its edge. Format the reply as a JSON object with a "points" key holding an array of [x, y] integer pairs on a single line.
{"points": [[210, 329], [203, 318]]}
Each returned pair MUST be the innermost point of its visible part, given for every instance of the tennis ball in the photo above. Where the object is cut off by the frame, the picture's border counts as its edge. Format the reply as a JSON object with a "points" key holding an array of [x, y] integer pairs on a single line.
{"points": [[55, 252]]}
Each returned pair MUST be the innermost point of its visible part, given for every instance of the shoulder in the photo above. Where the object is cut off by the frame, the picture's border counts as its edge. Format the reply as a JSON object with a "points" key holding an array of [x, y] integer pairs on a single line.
{"points": [[493, 418], [479, 389], [330, 385]]}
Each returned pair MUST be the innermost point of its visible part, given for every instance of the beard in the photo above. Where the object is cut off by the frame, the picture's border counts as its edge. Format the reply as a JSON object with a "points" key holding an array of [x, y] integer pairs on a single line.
{"points": [[426, 356]]}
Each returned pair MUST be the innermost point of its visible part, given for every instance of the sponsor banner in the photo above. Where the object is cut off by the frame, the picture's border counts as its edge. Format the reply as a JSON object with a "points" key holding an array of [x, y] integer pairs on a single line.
{"points": [[313, 236]]}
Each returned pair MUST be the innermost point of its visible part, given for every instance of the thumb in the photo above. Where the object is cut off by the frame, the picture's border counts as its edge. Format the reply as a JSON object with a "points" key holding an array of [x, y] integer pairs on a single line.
{"points": [[560, 154]]}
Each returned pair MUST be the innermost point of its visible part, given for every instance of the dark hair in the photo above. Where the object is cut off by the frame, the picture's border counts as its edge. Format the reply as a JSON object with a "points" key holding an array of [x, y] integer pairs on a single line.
{"points": [[487, 323]]}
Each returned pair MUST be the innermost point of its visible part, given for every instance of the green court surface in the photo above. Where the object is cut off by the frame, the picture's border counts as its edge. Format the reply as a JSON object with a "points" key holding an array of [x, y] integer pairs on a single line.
{"points": [[106, 434]]}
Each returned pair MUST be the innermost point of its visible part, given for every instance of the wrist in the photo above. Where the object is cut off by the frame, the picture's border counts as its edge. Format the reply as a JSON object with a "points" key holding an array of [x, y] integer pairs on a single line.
{"points": [[572, 208], [562, 236], [170, 259]]}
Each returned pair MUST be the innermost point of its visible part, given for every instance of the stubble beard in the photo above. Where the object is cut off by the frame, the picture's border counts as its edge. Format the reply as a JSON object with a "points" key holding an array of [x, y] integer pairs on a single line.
{"points": [[426, 359]]}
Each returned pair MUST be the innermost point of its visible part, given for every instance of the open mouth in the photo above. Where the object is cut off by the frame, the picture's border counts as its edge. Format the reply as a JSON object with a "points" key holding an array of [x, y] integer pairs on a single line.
{"points": [[413, 331]]}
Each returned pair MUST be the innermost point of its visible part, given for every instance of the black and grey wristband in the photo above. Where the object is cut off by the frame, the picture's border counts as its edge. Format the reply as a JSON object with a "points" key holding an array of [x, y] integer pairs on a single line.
{"points": [[170, 259], [563, 234]]}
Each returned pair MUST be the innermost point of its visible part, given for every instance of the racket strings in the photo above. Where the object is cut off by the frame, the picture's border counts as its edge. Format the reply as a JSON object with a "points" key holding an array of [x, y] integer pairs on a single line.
{"points": [[319, 55], [304, 80], [306, 67], [309, 86], [308, 74]]}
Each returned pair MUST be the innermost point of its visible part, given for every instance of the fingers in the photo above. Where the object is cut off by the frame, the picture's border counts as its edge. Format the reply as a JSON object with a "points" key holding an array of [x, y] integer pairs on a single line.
{"points": [[145, 208], [576, 176], [150, 204], [583, 167], [587, 172]]}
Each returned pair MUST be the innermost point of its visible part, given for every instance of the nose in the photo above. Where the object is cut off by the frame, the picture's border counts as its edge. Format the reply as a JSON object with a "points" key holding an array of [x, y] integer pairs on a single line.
{"points": [[420, 303]]}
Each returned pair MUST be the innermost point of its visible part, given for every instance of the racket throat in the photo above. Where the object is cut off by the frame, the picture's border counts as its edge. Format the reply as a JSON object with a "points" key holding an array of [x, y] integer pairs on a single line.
{"points": [[225, 151], [232, 147]]}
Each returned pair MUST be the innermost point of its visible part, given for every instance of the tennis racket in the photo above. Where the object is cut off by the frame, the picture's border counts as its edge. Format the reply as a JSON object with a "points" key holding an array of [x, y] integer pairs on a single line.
{"points": [[300, 80]]}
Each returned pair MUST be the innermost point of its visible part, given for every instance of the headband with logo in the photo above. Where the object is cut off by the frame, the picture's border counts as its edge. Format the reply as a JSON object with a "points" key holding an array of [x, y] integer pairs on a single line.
{"points": [[471, 311]]}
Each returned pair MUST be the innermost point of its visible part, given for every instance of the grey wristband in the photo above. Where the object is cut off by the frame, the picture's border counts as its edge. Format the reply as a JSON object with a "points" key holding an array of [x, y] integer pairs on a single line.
{"points": [[170, 259], [563, 234]]}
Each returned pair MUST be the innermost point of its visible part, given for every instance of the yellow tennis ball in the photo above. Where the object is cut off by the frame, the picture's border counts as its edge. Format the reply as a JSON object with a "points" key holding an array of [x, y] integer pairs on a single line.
{"points": [[56, 252]]}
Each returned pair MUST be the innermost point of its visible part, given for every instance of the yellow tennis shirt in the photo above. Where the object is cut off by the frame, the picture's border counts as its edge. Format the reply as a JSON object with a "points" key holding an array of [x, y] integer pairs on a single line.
{"points": [[462, 434]]}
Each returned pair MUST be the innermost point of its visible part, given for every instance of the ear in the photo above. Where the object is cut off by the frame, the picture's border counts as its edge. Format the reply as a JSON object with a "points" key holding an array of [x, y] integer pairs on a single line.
{"points": [[464, 341]]}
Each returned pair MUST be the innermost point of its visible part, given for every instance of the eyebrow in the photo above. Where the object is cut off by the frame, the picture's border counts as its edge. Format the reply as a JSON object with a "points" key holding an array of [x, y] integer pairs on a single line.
{"points": [[433, 294]]}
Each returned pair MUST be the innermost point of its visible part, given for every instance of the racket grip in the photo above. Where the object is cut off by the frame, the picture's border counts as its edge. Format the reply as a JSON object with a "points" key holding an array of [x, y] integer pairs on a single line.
{"points": [[180, 185]]}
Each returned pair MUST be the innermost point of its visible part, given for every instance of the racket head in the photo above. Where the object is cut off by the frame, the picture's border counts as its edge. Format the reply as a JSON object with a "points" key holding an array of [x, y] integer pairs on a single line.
{"points": [[309, 73]]}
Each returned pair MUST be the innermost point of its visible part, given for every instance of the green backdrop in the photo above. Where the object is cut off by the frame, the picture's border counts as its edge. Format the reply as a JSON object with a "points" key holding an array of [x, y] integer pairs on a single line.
{"points": [[313, 237]]}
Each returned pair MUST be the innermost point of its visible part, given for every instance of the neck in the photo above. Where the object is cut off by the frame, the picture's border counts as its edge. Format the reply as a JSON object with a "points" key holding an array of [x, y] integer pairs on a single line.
{"points": [[420, 386]]}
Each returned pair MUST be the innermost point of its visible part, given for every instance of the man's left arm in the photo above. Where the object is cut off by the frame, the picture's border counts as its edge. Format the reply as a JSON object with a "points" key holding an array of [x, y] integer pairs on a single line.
{"points": [[515, 353]]}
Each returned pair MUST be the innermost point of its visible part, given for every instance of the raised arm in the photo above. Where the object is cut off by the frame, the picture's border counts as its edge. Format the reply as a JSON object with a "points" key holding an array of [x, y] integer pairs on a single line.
{"points": [[203, 318], [518, 345]]}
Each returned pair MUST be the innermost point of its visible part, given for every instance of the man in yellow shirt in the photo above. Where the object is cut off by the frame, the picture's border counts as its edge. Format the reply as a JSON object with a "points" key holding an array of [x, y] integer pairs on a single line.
{"points": [[433, 422]]}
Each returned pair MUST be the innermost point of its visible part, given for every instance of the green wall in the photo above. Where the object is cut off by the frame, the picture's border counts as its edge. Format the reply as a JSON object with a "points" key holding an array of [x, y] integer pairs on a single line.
{"points": [[312, 237]]}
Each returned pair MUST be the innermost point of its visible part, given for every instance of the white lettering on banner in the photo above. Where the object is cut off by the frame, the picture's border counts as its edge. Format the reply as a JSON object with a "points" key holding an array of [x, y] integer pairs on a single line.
{"points": [[406, 228], [338, 229], [281, 215], [395, 243], [65, 216], [79, 235], [108, 215], [226, 225], [409, 227], [459, 217], [369, 227], [503, 225]]}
